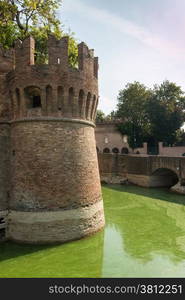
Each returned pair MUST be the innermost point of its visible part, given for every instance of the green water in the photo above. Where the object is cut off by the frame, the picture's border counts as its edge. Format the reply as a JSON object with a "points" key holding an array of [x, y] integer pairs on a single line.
{"points": [[144, 237]]}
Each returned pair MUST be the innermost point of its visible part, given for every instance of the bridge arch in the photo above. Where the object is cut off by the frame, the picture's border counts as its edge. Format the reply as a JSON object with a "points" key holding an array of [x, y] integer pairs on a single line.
{"points": [[164, 177]]}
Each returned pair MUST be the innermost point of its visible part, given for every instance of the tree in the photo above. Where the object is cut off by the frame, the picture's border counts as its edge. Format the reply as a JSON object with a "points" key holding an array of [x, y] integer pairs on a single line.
{"points": [[166, 112], [112, 116], [100, 116], [20, 18], [151, 115], [131, 109], [180, 138]]}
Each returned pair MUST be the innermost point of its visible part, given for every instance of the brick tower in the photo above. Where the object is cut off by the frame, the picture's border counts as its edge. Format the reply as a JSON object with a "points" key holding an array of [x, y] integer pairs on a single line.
{"points": [[53, 193]]}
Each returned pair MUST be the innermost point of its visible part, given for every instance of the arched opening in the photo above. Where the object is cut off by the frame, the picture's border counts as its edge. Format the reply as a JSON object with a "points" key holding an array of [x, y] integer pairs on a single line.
{"points": [[164, 177], [124, 150], [81, 101], [49, 93], [97, 149], [106, 150], [93, 107], [183, 154], [18, 100], [88, 105], [115, 150], [60, 95], [32, 96], [70, 102]]}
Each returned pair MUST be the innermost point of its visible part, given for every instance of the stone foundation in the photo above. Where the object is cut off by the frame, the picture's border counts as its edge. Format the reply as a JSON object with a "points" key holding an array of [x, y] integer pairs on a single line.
{"points": [[150, 181], [112, 178], [55, 226], [3, 225], [141, 180], [178, 189]]}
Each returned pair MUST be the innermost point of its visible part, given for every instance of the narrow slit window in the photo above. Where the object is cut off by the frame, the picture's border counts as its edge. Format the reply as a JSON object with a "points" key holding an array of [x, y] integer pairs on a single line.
{"points": [[36, 101]]}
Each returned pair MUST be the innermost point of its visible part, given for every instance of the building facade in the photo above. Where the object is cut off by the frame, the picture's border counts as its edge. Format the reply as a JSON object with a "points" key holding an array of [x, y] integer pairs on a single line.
{"points": [[109, 139]]}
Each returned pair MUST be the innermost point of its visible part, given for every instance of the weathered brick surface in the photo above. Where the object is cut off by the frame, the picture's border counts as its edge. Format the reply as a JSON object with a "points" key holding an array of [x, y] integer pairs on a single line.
{"points": [[60, 226], [48, 159], [150, 171], [4, 166], [54, 166]]}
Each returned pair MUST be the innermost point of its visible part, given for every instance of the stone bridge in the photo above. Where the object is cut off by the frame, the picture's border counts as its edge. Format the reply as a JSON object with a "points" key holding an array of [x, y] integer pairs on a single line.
{"points": [[147, 171]]}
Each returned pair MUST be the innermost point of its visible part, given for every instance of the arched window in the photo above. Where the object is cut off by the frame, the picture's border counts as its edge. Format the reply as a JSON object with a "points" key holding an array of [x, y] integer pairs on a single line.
{"points": [[106, 150], [115, 150], [97, 149], [32, 95], [124, 150], [106, 140], [183, 154]]}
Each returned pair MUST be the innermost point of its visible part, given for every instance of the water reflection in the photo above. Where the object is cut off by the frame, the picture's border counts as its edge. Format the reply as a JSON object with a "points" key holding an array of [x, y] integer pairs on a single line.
{"points": [[144, 237], [149, 234]]}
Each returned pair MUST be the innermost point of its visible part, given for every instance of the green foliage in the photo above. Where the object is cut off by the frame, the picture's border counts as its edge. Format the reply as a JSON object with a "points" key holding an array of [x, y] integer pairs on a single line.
{"points": [[131, 108], [151, 115], [112, 116], [20, 18], [166, 112], [73, 51], [100, 116]]}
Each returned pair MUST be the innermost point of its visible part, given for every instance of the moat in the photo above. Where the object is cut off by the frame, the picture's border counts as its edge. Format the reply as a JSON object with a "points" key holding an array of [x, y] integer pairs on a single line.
{"points": [[144, 237]]}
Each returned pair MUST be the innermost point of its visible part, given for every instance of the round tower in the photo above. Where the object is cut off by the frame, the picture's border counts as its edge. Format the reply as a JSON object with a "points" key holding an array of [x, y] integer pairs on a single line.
{"points": [[55, 186]]}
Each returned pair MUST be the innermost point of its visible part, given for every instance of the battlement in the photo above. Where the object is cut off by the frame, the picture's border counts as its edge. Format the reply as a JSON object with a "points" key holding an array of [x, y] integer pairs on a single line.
{"points": [[49, 185], [54, 89], [57, 55]]}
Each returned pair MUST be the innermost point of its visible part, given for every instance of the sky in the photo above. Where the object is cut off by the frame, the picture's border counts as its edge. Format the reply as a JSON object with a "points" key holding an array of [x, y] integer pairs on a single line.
{"points": [[135, 40]]}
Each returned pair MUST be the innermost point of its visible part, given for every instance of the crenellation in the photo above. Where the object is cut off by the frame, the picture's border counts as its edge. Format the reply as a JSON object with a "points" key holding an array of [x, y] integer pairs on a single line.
{"points": [[47, 145], [96, 67], [58, 51], [25, 52]]}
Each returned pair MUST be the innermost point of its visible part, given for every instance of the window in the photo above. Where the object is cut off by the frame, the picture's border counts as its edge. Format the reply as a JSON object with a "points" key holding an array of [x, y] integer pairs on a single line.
{"points": [[115, 150], [106, 150], [32, 96], [124, 150], [36, 101]]}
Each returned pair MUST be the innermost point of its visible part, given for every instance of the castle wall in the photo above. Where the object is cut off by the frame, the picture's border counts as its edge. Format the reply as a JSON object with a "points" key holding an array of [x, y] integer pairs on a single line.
{"points": [[171, 151], [55, 193], [107, 136], [4, 178], [4, 149], [54, 177], [112, 167], [4, 166]]}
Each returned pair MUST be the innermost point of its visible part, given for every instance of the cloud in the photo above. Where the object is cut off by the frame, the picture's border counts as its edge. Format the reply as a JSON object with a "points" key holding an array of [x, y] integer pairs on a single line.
{"points": [[124, 26]]}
